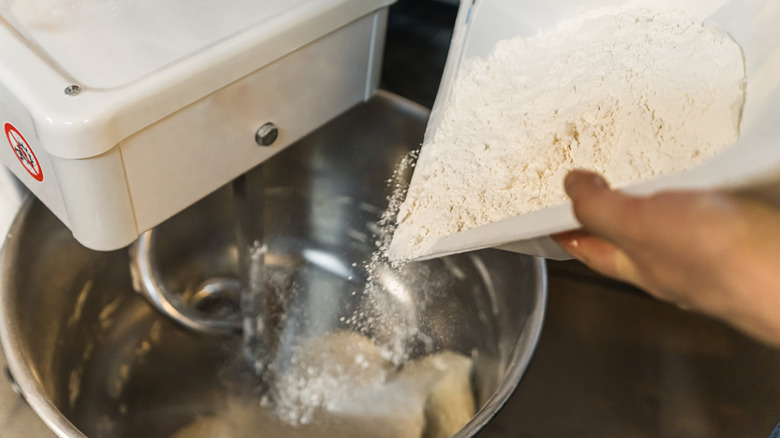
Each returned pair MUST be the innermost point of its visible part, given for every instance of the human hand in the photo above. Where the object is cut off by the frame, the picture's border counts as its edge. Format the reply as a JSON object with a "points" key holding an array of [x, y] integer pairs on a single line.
{"points": [[706, 251]]}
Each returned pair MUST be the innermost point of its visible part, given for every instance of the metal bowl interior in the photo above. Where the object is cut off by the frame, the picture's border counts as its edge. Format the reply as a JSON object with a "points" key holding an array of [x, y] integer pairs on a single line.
{"points": [[93, 358]]}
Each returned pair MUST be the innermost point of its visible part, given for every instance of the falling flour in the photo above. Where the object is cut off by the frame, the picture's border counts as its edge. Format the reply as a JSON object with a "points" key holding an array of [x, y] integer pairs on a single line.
{"points": [[632, 94]]}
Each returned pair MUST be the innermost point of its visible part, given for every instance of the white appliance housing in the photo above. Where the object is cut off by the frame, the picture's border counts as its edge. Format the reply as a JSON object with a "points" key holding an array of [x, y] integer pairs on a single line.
{"points": [[119, 114]]}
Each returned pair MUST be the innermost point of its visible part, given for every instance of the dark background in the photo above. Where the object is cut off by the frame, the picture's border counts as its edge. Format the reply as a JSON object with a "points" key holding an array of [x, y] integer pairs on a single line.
{"points": [[418, 37]]}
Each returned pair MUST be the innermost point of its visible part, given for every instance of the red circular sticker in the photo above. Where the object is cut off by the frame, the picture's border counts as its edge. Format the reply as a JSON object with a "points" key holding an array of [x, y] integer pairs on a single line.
{"points": [[23, 152]]}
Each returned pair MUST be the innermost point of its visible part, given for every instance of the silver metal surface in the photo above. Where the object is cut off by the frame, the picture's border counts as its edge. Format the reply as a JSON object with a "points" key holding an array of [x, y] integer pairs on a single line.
{"points": [[266, 135], [72, 90], [187, 308], [17, 419], [91, 356], [12, 382]]}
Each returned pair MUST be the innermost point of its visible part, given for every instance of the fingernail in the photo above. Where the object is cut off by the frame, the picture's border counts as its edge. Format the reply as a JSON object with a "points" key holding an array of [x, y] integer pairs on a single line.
{"points": [[569, 241], [576, 180]]}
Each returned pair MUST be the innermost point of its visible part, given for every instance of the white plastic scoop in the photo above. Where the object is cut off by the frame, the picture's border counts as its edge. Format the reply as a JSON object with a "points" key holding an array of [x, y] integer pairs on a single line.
{"points": [[751, 164]]}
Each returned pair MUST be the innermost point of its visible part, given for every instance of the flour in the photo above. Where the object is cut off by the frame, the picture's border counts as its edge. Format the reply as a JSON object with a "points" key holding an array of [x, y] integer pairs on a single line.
{"points": [[431, 398], [341, 385], [632, 94]]}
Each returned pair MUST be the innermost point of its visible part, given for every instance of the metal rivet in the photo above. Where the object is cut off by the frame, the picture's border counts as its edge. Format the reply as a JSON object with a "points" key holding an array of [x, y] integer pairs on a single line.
{"points": [[266, 134], [12, 381], [72, 90]]}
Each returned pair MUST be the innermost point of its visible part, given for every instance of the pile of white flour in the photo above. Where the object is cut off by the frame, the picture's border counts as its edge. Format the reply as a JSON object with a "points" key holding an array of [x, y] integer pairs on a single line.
{"points": [[631, 94]]}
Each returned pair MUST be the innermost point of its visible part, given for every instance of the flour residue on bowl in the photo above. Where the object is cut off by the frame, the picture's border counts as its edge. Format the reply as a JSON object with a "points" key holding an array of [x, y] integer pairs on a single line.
{"points": [[633, 94], [382, 376], [379, 373]]}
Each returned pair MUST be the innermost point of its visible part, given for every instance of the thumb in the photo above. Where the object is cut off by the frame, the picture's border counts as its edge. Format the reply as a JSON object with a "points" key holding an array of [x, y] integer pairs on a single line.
{"points": [[603, 212]]}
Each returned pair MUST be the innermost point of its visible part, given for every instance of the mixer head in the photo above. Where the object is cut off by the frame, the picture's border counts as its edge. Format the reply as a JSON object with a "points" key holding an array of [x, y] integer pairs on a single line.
{"points": [[118, 116]]}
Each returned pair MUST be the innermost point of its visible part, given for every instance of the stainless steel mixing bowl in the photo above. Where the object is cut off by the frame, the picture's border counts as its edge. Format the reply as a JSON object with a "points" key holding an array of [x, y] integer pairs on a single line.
{"points": [[94, 358]]}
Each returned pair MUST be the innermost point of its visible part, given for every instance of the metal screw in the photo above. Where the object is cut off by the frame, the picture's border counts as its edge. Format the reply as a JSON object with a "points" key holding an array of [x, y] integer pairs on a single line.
{"points": [[266, 134], [72, 90], [12, 381]]}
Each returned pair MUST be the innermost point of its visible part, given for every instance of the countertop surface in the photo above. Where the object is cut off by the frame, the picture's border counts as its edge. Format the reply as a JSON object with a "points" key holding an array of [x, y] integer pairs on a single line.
{"points": [[611, 362]]}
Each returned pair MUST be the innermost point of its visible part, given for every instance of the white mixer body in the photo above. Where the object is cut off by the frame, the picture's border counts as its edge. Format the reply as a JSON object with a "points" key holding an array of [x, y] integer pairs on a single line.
{"points": [[117, 115]]}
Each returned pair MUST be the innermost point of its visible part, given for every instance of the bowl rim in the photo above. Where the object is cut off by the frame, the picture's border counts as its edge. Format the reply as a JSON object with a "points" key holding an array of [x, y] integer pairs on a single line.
{"points": [[521, 358]]}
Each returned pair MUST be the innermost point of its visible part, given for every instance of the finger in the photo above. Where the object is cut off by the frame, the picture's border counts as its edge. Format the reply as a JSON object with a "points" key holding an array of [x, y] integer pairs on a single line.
{"points": [[602, 211], [598, 254]]}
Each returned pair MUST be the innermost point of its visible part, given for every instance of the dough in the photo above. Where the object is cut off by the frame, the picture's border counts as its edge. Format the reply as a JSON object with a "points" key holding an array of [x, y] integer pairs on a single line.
{"points": [[449, 402], [340, 385]]}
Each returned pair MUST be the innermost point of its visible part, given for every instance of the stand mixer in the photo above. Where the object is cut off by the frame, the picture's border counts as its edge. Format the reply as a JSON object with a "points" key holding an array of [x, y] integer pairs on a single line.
{"points": [[138, 139], [118, 118]]}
